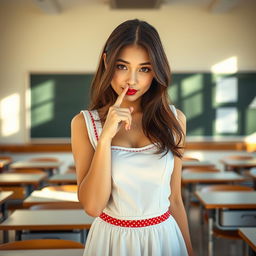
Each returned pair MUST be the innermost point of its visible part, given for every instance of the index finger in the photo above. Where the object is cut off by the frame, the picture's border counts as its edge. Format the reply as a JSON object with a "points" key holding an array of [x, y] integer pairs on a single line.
{"points": [[121, 97]]}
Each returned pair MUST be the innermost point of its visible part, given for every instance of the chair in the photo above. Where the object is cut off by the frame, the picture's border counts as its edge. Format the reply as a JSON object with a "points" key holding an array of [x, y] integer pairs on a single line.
{"points": [[223, 187], [200, 170], [44, 159], [64, 188], [72, 166], [29, 171], [6, 158], [188, 158], [70, 170], [238, 157], [41, 244], [19, 193], [56, 206]]}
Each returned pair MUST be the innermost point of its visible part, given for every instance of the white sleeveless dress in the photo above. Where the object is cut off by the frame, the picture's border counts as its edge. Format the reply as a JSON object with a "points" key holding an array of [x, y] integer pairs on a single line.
{"points": [[140, 190]]}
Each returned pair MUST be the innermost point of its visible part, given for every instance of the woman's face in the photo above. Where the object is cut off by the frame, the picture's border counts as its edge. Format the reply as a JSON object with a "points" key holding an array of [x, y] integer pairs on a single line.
{"points": [[133, 68]]}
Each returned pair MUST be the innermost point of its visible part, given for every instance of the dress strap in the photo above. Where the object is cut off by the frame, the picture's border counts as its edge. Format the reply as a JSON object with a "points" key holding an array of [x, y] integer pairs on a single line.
{"points": [[93, 125], [174, 110]]}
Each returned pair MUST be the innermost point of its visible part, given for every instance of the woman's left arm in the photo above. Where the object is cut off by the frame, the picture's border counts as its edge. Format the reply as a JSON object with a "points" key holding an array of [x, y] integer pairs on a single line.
{"points": [[176, 204]]}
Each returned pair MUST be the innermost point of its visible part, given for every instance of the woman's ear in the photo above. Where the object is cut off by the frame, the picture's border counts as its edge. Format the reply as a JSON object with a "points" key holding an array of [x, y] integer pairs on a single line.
{"points": [[105, 61]]}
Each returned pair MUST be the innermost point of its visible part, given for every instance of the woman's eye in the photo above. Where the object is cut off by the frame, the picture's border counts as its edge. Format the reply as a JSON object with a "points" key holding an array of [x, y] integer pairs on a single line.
{"points": [[120, 66], [146, 70], [123, 67]]}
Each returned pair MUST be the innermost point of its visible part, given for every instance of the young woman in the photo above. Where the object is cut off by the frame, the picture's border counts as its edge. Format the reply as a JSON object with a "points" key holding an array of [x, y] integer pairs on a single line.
{"points": [[128, 148]]}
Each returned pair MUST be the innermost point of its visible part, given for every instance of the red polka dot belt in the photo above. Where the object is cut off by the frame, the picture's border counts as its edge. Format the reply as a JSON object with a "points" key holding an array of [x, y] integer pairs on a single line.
{"points": [[135, 223]]}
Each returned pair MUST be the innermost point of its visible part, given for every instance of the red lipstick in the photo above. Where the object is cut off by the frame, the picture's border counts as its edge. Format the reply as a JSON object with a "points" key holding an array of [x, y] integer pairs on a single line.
{"points": [[131, 91]]}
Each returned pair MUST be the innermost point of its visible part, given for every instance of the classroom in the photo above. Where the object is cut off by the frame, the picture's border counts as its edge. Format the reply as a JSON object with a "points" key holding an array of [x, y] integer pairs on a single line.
{"points": [[50, 52]]}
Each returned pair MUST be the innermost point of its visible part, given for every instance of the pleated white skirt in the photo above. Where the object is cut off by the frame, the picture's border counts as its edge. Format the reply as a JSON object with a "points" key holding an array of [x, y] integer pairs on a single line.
{"points": [[163, 239]]}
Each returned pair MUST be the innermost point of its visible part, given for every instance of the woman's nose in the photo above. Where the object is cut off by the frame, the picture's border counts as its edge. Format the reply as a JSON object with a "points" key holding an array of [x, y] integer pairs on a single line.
{"points": [[132, 78]]}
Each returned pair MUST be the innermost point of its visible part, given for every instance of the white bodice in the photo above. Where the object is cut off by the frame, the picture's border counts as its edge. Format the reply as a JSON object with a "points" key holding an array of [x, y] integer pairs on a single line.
{"points": [[140, 179]]}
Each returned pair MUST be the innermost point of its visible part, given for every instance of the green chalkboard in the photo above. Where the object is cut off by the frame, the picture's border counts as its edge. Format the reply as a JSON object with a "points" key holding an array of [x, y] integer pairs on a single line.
{"points": [[209, 101], [216, 105], [55, 99]]}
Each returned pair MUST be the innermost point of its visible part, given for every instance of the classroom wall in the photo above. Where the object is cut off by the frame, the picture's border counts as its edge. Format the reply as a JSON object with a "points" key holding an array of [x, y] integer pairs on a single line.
{"points": [[194, 40]]}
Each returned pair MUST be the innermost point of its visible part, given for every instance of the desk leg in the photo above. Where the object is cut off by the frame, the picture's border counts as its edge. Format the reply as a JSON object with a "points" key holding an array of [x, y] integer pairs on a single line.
{"points": [[210, 234], [254, 183], [84, 233], [5, 236], [51, 172], [4, 211], [29, 189], [18, 235], [4, 216], [251, 252], [201, 242]]}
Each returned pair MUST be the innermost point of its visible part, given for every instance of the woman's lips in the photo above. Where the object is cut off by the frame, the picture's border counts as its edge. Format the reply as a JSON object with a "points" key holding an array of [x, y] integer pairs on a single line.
{"points": [[131, 91]]}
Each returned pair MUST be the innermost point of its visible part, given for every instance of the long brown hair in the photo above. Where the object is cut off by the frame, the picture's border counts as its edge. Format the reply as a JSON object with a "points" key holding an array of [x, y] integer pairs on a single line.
{"points": [[159, 123]]}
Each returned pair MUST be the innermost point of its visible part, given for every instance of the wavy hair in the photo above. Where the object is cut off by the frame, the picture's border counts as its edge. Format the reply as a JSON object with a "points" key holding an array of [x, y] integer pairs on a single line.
{"points": [[159, 123]]}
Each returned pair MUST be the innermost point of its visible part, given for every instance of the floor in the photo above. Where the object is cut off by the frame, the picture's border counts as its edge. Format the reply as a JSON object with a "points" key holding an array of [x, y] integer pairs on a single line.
{"points": [[222, 247]]}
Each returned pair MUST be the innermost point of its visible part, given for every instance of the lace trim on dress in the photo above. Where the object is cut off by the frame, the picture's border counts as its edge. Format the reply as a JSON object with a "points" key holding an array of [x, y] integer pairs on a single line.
{"points": [[147, 147]]}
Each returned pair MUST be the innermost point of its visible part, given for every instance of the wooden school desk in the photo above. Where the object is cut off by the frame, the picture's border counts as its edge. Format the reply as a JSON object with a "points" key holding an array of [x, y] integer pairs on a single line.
{"points": [[192, 164], [249, 236], [237, 165], [190, 180], [47, 220], [51, 252], [48, 167], [215, 200], [23, 179], [67, 178], [46, 197]]}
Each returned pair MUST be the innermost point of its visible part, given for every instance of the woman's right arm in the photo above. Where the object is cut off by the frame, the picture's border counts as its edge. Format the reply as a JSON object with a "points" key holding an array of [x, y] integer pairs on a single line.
{"points": [[93, 168]]}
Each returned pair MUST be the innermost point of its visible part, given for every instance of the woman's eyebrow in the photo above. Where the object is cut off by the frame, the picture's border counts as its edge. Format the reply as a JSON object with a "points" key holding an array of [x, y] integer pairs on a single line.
{"points": [[145, 63]]}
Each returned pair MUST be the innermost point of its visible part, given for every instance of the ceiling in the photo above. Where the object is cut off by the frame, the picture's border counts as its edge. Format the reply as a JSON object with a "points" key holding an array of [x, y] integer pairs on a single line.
{"points": [[213, 6]]}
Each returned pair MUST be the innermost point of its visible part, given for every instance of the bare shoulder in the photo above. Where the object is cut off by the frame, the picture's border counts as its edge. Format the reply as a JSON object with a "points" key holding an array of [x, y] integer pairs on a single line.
{"points": [[78, 123], [77, 118], [181, 116]]}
